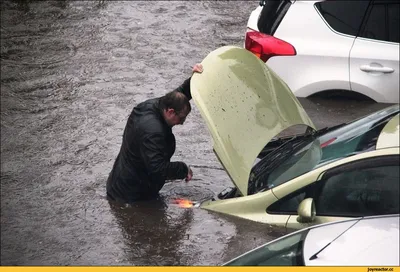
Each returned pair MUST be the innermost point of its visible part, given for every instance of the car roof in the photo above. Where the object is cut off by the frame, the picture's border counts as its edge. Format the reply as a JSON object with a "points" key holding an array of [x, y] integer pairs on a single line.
{"points": [[368, 241]]}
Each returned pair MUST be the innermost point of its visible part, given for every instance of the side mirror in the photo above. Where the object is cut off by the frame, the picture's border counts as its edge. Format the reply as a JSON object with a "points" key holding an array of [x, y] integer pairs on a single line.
{"points": [[306, 211]]}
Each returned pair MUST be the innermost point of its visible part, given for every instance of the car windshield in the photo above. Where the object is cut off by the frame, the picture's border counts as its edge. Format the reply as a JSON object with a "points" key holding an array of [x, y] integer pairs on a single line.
{"points": [[287, 251], [303, 154]]}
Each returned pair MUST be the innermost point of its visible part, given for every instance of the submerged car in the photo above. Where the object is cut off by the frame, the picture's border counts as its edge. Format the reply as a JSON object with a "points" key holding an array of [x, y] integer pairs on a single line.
{"points": [[370, 241], [312, 177]]}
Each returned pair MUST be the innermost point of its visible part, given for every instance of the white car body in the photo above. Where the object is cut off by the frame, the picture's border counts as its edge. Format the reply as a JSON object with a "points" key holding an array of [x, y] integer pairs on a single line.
{"points": [[327, 60], [367, 241]]}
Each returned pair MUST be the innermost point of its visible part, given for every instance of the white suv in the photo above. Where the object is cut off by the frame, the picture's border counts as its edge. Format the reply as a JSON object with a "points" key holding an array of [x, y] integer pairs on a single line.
{"points": [[330, 46]]}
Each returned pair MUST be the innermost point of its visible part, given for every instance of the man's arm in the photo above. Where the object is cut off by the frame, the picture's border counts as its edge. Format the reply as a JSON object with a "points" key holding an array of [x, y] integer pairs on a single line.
{"points": [[185, 86], [158, 166]]}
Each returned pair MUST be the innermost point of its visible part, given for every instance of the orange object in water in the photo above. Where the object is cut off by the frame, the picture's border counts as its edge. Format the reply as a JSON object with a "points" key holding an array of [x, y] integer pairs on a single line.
{"points": [[183, 203]]}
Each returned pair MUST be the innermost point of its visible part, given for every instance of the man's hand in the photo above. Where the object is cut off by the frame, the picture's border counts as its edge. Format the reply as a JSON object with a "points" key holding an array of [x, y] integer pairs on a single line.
{"points": [[197, 68], [189, 175]]}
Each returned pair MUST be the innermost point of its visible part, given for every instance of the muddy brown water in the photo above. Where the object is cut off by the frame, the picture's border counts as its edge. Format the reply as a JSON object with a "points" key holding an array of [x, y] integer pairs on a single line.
{"points": [[70, 74]]}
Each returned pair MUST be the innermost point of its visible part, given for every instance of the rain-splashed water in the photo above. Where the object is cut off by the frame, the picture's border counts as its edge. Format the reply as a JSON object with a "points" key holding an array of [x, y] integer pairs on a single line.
{"points": [[71, 72]]}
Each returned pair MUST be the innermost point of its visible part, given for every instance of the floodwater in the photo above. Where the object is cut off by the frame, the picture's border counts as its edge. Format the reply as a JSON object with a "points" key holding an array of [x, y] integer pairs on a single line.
{"points": [[71, 72]]}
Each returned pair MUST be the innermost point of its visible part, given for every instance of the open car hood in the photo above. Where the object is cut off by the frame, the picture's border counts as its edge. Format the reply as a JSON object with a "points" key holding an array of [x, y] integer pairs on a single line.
{"points": [[244, 104]]}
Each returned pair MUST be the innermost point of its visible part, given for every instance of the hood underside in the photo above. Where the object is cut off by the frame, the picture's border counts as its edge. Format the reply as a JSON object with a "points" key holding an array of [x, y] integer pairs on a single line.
{"points": [[244, 104]]}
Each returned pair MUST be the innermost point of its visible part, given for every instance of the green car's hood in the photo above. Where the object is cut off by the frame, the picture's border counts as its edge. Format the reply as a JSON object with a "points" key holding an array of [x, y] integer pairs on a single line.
{"points": [[244, 104]]}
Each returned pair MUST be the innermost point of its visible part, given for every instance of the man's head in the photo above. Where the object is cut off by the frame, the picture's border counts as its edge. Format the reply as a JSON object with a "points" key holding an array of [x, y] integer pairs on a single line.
{"points": [[175, 106]]}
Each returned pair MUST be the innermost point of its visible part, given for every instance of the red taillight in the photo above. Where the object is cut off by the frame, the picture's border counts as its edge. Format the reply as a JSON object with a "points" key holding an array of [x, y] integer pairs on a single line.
{"points": [[266, 46]]}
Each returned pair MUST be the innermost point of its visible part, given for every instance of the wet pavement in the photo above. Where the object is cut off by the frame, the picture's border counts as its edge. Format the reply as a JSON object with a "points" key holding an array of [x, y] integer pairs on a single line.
{"points": [[70, 74]]}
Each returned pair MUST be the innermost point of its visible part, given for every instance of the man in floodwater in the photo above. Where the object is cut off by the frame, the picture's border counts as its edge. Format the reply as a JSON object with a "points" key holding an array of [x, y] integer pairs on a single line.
{"points": [[143, 163]]}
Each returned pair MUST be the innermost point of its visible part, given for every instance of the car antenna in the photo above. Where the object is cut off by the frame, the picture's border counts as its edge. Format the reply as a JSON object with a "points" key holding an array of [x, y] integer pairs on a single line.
{"points": [[313, 257]]}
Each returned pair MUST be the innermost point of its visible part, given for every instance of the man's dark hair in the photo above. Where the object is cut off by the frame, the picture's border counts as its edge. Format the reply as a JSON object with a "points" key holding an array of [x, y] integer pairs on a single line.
{"points": [[175, 100]]}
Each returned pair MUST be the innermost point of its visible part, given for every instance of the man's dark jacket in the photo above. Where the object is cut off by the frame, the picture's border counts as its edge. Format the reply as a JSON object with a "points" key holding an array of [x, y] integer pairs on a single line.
{"points": [[143, 163]]}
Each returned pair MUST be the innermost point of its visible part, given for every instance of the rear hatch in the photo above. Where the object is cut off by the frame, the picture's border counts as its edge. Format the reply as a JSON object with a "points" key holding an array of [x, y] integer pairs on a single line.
{"points": [[245, 105], [261, 27]]}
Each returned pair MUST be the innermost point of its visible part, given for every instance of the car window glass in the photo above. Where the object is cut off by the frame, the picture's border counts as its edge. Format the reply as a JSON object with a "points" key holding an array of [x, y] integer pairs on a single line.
{"points": [[295, 156], [358, 136], [343, 16], [375, 27], [361, 192], [271, 15], [290, 203], [393, 19], [296, 165]]}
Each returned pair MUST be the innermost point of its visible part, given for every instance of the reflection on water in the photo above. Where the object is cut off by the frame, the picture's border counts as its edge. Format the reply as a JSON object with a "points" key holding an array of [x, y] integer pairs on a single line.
{"points": [[152, 236]]}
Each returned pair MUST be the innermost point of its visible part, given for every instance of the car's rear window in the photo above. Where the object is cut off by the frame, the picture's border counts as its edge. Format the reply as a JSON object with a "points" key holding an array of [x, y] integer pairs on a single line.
{"points": [[271, 15]]}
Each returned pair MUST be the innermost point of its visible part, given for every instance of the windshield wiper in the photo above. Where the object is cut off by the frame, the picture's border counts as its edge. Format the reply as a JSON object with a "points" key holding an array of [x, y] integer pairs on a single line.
{"points": [[263, 168], [313, 257]]}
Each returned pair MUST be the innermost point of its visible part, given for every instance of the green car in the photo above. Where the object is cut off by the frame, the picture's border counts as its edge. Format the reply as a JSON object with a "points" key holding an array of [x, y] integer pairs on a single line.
{"points": [[285, 171]]}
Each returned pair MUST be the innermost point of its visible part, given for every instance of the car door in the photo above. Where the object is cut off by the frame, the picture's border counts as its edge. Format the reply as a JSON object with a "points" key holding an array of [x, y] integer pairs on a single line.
{"points": [[361, 188], [374, 56]]}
